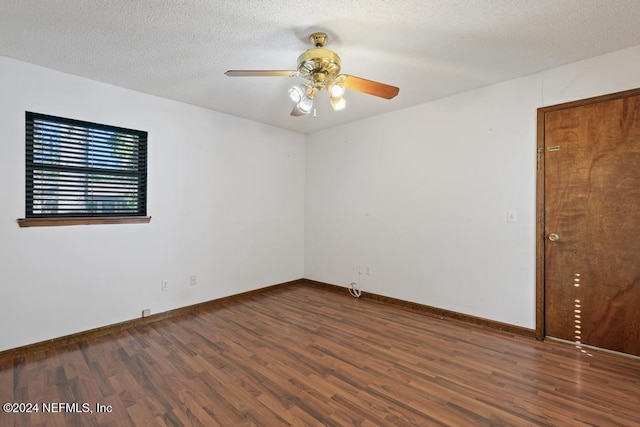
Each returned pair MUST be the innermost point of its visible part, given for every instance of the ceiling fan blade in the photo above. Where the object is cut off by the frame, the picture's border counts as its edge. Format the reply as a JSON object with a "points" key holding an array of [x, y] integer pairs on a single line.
{"points": [[370, 87], [262, 73]]}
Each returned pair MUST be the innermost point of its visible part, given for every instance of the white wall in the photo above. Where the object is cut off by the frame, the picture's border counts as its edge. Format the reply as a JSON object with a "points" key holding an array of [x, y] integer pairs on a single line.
{"points": [[421, 195], [226, 196]]}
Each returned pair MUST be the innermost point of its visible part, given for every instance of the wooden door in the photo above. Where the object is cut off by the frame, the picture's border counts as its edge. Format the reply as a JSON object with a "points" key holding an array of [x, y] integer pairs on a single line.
{"points": [[591, 223]]}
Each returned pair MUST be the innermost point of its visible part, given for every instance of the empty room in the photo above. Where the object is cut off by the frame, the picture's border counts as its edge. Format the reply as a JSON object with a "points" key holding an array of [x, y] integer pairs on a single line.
{"points": [[279, 213]]}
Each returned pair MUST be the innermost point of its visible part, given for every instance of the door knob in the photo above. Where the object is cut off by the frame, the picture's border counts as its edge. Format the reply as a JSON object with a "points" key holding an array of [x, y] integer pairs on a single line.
{"points": [[554, 237]]}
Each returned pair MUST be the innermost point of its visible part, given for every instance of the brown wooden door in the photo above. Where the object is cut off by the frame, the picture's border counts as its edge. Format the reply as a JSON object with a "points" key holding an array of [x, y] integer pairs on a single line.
{"points": [[592, 203]]}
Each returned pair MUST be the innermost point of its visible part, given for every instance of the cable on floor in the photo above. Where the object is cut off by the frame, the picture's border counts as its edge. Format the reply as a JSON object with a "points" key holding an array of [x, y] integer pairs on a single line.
{"points": [[354, 291]]}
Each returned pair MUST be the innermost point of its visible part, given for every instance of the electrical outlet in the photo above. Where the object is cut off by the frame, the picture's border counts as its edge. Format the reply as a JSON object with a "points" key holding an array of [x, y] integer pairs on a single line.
{"points": [[193, 280], [368, 271], [164, 285]]}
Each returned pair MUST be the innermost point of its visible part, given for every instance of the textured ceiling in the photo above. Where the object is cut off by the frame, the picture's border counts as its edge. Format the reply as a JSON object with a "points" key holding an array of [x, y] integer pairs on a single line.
{"points": [[429, 48]]}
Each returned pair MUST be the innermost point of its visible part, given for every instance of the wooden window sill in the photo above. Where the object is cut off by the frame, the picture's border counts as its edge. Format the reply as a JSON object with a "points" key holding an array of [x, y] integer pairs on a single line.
{"points": [[53, 222]]}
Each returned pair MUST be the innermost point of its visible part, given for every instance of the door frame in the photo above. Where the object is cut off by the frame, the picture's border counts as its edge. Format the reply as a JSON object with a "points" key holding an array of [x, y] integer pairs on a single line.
{"points": [[540, 196]]}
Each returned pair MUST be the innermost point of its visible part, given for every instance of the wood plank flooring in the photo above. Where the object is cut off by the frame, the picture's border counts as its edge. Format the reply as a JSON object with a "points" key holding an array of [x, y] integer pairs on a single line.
{"points": [[302, 355]]}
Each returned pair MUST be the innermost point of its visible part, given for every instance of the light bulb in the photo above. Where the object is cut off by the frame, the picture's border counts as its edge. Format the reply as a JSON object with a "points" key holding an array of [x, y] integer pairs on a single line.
{"points": [[337, 91], [337, 87], [296, 93]]}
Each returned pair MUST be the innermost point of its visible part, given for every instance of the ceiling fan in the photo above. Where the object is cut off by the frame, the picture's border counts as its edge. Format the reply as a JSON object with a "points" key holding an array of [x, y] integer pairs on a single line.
{"points": [[321, 67]]}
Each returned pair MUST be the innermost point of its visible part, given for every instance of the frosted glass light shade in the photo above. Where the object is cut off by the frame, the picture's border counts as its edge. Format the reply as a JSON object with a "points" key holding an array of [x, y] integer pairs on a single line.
{"points": [[338, 103]]}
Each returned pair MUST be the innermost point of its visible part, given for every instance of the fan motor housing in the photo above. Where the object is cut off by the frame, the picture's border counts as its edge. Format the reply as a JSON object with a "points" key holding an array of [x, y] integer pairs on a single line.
{"points": [[319, 61]]}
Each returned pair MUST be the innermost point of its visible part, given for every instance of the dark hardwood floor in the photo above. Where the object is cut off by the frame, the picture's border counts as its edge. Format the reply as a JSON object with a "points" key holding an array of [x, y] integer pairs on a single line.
{"points": [[301, 355]]}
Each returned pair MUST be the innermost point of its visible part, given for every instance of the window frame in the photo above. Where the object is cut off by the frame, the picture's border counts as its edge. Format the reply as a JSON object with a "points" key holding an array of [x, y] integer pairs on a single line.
{"points": [[128, 171]]}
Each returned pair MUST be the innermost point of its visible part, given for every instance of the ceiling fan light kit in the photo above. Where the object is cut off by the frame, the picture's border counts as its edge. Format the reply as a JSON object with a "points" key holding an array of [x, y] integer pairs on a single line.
{"points": [[321, 67]]}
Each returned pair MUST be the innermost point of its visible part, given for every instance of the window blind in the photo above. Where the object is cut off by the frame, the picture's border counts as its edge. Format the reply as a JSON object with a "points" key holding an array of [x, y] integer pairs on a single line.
{"points": [[76, 168]]}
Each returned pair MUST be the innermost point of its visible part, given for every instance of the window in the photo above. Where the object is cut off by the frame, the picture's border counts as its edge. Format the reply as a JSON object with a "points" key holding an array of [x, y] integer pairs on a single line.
{"points": [[78, 169]]}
